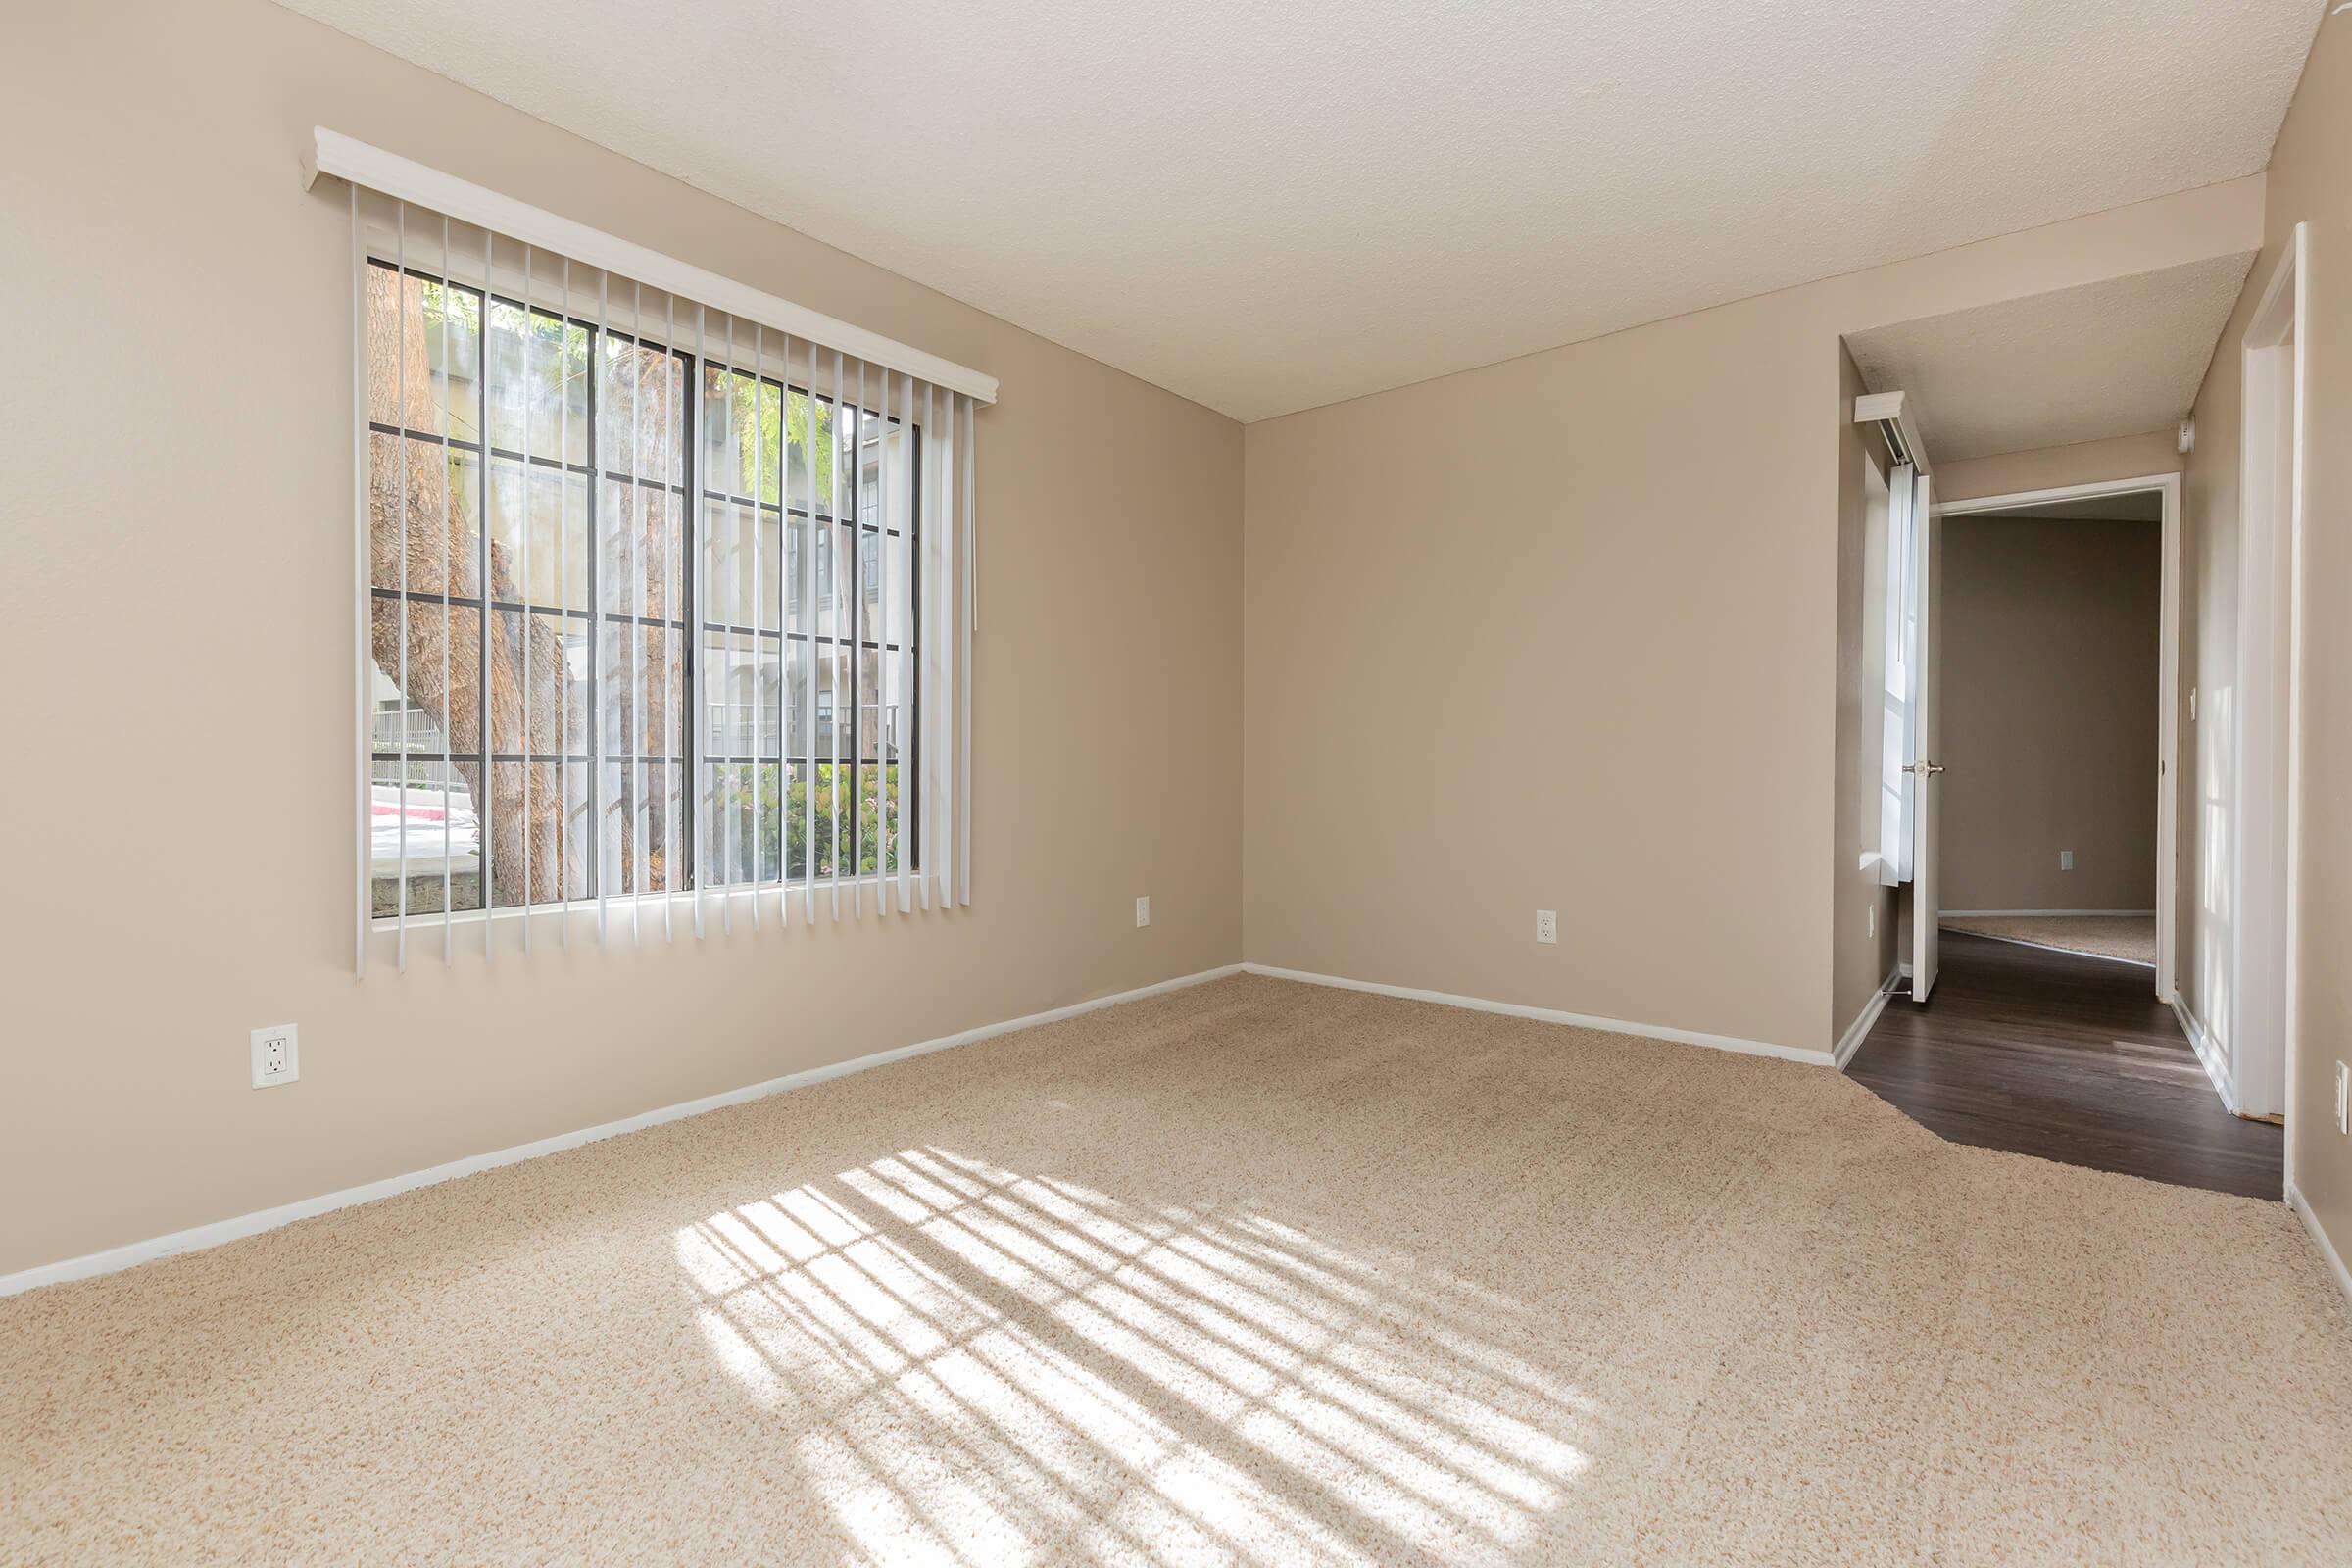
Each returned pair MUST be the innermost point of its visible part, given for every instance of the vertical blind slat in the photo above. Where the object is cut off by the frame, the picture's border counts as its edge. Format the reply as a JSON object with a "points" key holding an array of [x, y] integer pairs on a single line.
{"points": [[732, 592], [486, 810], [809, 664], [678, 643], [948, 663], [523, 654], [784, 634], [563, 598], [635, 600], [860, 629], [705, 788], [363, 603], [903, 727], [448, 717], [882, 705], [599, 387], [925, 592], [403, 467], [832, 547], [759, 641], [963, 670]]}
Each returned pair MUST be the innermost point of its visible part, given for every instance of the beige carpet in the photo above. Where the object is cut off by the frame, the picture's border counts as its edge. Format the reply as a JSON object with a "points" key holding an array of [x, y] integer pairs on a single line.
{"points": [[1253, 1272], [2131, 937]]}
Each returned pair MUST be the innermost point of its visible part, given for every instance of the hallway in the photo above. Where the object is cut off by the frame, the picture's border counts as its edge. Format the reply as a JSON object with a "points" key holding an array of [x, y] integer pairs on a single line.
{"points": [[2071, 1058]]}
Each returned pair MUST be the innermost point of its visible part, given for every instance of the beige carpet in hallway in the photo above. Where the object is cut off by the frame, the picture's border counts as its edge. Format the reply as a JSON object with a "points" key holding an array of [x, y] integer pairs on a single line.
{"points": [[2131, 937], [1255, 1271]]}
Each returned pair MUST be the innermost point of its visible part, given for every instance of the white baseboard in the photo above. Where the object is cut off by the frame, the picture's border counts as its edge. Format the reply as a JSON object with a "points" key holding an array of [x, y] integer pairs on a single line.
{"points": [[1859, 1030], [197, 1237], [2327, 1253], [1514, 1009], [2209, 1054], [1988, 914]]}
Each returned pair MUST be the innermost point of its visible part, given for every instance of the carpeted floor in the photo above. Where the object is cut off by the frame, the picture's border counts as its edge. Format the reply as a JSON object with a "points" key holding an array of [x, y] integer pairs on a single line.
{"points": [[2129, 936], [1254, 1271]]}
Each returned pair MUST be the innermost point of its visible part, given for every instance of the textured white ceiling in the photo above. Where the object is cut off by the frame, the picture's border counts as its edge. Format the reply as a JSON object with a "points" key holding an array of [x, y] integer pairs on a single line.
{"points": [[1268, 207], [2112, 357]]}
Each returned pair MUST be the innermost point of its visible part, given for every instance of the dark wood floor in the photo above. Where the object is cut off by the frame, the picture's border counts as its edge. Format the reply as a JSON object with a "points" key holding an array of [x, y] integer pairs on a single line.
{"points": [[2072, 1058]]}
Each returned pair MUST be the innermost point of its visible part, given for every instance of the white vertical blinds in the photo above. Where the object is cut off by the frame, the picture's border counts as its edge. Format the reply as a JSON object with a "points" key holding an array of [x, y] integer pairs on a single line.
{"points": [[1906, 541], [657, 600]]}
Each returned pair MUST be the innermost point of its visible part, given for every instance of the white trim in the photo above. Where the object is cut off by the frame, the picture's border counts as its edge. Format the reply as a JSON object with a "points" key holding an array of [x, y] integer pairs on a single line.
{"points": [[2052, 947], [199, 1237], [2011, 500], [2209, 1055], [1859, 1030], [1582, 1020], [2027, 914], [332, 153], [2327, 1253], [2167, 700], [2267, 754], [363, 628]]}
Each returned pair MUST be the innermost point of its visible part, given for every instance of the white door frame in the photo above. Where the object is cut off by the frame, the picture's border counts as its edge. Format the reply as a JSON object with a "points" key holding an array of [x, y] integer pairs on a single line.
{"points": [[2266, 749], [2167, 682]]}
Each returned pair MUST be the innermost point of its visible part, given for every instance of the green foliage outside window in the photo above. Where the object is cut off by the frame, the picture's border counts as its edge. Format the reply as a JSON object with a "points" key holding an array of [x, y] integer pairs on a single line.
{"points": [[788, 829]]}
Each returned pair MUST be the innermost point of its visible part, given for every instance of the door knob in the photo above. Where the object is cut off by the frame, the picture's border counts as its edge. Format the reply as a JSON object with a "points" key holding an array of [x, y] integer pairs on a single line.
{"points": [[1926, 769]]}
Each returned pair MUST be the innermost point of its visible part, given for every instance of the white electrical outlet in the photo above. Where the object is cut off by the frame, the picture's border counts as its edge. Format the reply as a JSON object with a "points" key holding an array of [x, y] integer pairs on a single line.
{"points": [[2192, 705], [2343, 1097], [2066, 859], [1871, 922], [276, 1055], [1547, 925], [1143, 910]]}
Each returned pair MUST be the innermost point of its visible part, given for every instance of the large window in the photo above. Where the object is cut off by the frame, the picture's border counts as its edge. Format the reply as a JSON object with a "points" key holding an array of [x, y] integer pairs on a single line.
{"points": [[588, 522]]}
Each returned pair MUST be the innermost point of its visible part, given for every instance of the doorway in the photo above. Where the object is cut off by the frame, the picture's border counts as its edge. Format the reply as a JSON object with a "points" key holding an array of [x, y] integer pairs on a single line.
{"points": [[2054, 1029], [2062, 819]]}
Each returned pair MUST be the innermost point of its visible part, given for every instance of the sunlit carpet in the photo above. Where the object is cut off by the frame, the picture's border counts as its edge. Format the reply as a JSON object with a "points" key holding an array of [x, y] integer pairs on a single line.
{"points": [[1255, 1271], [2128, 936]]}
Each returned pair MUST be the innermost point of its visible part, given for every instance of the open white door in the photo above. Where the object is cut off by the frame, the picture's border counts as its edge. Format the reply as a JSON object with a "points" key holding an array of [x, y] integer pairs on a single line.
{"points": [[1927, 729], [1907, 846]]}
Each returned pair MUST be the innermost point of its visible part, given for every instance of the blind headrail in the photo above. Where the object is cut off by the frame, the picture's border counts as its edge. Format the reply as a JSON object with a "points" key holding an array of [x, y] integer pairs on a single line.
{"points": [[346, 159]]}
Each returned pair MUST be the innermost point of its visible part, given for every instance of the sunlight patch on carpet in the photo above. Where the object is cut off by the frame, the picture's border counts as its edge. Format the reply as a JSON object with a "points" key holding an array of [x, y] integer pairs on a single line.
{"points": [[971, 1364]]}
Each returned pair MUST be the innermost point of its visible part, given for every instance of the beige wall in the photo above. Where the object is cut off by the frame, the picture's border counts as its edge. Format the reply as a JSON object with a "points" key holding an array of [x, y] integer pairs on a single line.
{"points": [[1863, 922], [2125, 457], [2305, 184], [177, 621], [1563, 633], [2051, 636]]}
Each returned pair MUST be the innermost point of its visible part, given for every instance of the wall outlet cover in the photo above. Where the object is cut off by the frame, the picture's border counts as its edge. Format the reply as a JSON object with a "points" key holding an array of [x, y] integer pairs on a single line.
{"points": [[276, 1055], [2343, 1098], [1547, 925], [1142, 911]]}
